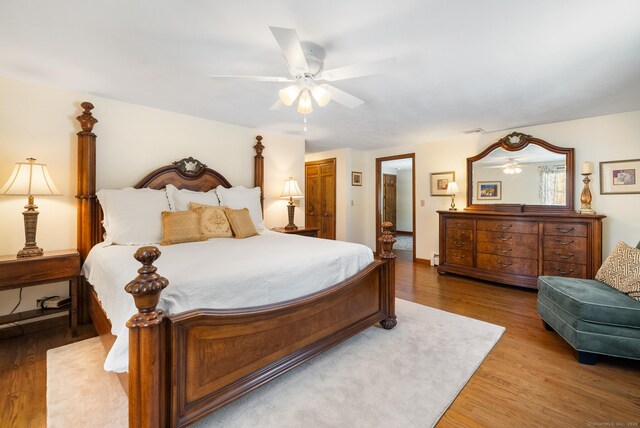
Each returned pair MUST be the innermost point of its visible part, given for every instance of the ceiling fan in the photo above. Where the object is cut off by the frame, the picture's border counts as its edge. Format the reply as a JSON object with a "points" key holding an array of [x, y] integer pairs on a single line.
{"points": [[305, 66], [511, 167]]}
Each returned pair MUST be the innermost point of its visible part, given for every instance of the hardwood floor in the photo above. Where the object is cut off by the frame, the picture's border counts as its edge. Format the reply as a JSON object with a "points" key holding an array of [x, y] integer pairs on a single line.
{"points": [[530, 378]]}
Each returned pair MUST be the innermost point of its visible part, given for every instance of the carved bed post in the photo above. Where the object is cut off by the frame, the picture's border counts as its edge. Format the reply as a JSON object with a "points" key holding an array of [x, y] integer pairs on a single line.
{"points": [[148, 405], [258, 168], [389, 276], [88, 225]]}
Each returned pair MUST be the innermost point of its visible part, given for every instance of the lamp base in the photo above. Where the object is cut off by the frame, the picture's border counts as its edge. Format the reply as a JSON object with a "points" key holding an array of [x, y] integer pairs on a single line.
{"points": [[30, 249], [291, 211], [586, 211], [30, 252]]}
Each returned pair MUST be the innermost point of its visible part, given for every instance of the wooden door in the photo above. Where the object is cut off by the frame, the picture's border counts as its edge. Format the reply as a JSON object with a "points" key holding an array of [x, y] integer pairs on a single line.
{"points": [[320, 188], [389, 205]]}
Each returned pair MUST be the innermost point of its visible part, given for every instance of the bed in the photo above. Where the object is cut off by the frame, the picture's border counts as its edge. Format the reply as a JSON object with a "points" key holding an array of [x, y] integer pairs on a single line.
{"points": [[183, 365]]}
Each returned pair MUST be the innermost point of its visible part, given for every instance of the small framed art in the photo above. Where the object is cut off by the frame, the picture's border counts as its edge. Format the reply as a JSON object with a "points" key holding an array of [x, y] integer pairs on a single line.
{"points": [[620, 177], [489, 190], [439, 182], [356, 178]]}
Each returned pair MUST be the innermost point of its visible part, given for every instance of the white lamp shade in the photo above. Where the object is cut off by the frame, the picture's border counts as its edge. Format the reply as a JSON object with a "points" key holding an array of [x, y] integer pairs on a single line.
{"points": [[29, 179], [452, 188], [321, 95], [289, 94], [291, 189], [304, 103]]}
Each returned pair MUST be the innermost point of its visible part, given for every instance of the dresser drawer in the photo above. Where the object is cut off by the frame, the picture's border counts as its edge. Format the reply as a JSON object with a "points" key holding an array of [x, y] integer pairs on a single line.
{"points": [[510, 250], [573, 270], [454, 223], [508, 226], [459, 257], [508, 238], [565, 229], [564, 244], [508, 264], [460, 239]]}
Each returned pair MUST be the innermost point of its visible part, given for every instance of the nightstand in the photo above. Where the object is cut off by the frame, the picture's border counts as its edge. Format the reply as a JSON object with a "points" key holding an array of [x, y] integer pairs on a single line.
{"points": [[53, 266], [304, 231]]}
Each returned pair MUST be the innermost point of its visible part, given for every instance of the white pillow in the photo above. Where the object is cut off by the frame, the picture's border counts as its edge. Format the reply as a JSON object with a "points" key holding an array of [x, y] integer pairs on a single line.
{"points": [[179, 198], [133, 216], [240, 197]]}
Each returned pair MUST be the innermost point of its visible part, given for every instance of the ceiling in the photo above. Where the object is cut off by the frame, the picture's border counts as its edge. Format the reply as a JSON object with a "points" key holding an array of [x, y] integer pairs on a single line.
{"points": [[462, 64], [399, 164]]}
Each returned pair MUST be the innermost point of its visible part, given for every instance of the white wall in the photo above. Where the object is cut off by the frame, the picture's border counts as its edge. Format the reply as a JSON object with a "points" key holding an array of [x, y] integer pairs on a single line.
{"points": [[133, 140], [596, 139], [404, 216]]}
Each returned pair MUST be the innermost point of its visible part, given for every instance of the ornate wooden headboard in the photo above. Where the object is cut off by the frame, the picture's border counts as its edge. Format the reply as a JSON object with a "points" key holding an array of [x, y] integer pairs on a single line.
{"points": [[187, 173]]}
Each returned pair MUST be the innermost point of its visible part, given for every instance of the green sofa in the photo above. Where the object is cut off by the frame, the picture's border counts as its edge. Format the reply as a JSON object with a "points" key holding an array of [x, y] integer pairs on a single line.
{"points": [[594, 318]]}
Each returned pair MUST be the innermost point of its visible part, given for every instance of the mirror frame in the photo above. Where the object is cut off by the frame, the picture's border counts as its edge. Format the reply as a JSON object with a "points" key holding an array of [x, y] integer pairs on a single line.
{"points": [[514, 142]]}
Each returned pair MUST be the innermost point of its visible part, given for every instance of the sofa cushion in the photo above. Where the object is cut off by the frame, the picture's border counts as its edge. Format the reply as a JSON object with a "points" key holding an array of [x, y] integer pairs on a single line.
{"points": [[621, 270], [590, 300]]}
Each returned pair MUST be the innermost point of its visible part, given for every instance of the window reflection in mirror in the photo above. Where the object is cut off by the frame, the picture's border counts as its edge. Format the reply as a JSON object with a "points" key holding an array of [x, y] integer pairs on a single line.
{"points": [[532, 176]]}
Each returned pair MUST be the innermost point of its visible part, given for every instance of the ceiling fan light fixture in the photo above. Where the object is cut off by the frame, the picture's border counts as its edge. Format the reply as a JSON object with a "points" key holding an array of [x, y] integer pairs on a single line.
{"points": [[321, 95], [289, 94], [304, 103]]}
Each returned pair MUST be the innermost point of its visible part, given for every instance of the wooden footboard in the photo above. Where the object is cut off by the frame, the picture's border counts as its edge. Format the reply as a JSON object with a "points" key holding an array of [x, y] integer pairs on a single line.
{"points": [[184, 366]]}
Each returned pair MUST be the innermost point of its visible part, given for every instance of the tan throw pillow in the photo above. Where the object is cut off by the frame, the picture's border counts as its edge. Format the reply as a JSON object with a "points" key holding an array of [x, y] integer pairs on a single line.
{"points": [[621, 270], [213, 221], [181, 226], [241, 223]]}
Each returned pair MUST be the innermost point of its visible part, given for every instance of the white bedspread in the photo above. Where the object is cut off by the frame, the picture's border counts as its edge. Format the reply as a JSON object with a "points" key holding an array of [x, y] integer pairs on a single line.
{"points": [[220, 273]]}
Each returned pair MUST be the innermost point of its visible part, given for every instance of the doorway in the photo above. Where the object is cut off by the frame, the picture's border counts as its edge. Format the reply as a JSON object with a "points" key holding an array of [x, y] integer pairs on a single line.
{"points": [[395, 201]]}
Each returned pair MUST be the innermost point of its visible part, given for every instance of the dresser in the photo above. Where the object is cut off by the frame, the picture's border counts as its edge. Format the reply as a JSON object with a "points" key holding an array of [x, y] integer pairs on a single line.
{"points": [[516, 247]]}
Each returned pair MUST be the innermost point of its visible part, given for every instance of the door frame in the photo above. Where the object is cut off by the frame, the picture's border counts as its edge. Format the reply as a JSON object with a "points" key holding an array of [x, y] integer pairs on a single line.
{"points": [[379, 161]]}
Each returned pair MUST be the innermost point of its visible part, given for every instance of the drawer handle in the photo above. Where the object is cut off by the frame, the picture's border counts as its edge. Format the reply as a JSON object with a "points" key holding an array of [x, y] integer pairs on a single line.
{"points": [[559, 241], [568, 256], [508, 250], [559, 229], [458, 244], [505, 227], [504, 264], [459, 223], [503, 238], [564, 272]]}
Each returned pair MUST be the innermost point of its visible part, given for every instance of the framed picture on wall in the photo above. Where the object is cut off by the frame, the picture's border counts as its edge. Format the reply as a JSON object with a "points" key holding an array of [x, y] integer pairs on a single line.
{"points": [[356, 178], [440, 181], [620, 177], [489, 190]]}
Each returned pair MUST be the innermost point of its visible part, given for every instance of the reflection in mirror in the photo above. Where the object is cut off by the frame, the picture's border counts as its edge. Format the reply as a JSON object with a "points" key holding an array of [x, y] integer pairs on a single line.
{"points": [[532, 176]]}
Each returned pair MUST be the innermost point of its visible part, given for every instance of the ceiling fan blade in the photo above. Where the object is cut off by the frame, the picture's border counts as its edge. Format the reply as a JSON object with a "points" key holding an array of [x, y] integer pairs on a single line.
{"points": [[341, 97], [288, 40], [358, 70], [278, 105], [251, 78]]}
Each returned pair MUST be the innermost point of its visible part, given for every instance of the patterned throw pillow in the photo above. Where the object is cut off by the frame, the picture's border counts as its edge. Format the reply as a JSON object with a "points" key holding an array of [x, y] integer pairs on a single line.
{"points": [[213, 221], [241, 223], [181, 226], [621, 270]]}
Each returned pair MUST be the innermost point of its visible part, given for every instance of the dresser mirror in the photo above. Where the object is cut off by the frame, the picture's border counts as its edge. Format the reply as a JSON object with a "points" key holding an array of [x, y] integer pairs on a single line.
{"points": [[521, 173]]}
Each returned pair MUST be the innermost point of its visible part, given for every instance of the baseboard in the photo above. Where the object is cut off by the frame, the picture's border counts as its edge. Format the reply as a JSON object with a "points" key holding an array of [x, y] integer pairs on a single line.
{"points": [[403, 232], [423, 261]]}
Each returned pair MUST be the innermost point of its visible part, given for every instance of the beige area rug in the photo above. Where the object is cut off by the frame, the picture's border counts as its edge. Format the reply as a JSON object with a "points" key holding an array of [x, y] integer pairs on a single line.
{"points": [[405, 377]]}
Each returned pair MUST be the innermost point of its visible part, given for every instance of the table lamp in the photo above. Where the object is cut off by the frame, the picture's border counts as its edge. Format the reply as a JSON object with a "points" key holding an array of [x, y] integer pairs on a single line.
{"points": [[452, 189], [291, 191], [30, 179]]}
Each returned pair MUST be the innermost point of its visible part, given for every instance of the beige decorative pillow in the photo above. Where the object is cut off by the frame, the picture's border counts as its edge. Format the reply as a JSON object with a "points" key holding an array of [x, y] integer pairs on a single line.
{"points": [[181, 226], [621, 270], [241, 223], [213, 221]]}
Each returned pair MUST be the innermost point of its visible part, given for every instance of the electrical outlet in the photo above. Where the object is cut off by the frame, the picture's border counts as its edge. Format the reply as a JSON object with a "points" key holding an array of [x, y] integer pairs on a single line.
{"points": [[422, 202]]}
